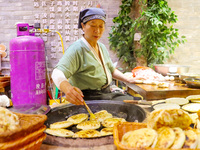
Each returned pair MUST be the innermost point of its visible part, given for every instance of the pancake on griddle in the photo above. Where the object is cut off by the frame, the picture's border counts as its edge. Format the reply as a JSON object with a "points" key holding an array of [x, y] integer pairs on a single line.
{"points": [[102, 115], [109, 122], [191, 140], [166, 137], [179, 138], [90, 133], [91, 124], [197, 131], [106, 131], [78, 118], [193, 97], [61, 125], [60, 132], [177, 100], [191, 107], [140, 138], [170, 118]]}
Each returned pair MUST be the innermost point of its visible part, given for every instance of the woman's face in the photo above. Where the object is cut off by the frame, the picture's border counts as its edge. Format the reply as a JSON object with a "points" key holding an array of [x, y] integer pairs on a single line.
{"points": [[93, 30]]}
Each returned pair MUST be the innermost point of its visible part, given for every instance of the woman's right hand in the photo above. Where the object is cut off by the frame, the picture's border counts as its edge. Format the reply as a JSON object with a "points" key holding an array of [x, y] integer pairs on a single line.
{"points": [[73, 94]]}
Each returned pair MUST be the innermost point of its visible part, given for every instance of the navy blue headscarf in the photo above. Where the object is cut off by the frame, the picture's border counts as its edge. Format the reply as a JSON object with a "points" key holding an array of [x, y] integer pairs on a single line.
{"points": [[90, 14]]}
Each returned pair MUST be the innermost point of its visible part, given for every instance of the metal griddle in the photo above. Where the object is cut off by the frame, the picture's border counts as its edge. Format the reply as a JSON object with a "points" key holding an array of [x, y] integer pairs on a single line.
{"points": [[130, 112]]}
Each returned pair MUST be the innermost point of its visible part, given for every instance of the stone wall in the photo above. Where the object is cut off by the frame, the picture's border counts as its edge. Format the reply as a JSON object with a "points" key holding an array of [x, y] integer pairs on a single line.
{"points": [[59, 14]]}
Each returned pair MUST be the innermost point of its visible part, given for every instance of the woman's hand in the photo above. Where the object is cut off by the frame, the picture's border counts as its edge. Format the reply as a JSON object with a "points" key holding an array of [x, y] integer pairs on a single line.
{"points": [[73, 94]]}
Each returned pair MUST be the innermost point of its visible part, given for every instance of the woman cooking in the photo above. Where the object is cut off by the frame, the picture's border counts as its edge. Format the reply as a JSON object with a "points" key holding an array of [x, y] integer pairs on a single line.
{"points": [[87, 65]]}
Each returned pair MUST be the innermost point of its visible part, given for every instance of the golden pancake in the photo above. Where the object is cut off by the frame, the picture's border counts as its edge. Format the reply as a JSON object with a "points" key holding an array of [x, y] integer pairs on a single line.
{"points": [[61, 125], [106, 131], [191, 107], [191, 140], [177, 100], [109, 122], [166, 137], [197, 131], [170, 118], [91, 124], [140, 138], [60, 132], [194, 117], [102, 115], [90, 133], [8, 120], [166, 106], [179, 139], [193, 97], [78, 118]]}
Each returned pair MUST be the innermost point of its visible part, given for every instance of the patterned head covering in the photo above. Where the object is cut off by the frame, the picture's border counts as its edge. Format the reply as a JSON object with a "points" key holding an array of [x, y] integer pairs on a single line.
{"points": [[90, 14]]}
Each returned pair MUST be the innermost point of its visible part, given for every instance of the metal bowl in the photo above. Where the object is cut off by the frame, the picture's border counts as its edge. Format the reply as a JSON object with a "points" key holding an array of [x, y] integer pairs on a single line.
{"points": [[164, 69], [192, 82], [188, 75]]}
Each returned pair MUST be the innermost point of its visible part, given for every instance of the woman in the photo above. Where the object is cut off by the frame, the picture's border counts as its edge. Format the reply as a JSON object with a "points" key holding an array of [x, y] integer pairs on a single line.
{"points": [[87, 65]]}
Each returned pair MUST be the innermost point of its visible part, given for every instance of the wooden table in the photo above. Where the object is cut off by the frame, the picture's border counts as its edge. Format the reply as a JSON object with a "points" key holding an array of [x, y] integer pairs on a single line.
{"points": [[153, 92]]}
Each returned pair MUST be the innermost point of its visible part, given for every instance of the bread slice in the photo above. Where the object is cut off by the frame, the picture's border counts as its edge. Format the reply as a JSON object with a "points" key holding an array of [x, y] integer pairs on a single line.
{"points": [[191, 140], [59, 132], [110, 122], [61, 125], [166, 137], [170, 118], [177, 100], [78, 118], [140, 138], [91, 124], [90, 133], [179, 138], [191, 107], [106, 131], [102, 115]]}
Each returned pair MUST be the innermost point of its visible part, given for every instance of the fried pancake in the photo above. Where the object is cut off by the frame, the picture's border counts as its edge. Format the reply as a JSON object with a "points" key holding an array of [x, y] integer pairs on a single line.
{"points": [[109, 122], [102, 115], [194, 117], [195, 101], [78, 118], [170, 118], [61, 125], [177, 100], [60, 132], [91, 124], [193, 97], [8, 120], [106, 131], [166, 106], [166, 137], [179, 139], [192, 107], [191, 140], [90, 133], [141, 138], [197, 131]]}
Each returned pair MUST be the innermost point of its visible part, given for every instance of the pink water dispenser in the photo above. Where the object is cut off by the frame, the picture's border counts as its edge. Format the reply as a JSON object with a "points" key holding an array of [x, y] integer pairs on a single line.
{"points": [[27, 72]]}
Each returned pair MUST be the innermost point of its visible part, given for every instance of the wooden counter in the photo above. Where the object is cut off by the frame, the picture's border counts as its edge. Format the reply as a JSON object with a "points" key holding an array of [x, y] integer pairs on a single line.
{"points": [[153, 92]]}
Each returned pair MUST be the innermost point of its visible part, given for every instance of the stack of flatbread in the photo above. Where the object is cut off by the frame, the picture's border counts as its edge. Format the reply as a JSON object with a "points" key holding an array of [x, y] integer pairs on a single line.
{"points": [[166, 128], [102, 126]]}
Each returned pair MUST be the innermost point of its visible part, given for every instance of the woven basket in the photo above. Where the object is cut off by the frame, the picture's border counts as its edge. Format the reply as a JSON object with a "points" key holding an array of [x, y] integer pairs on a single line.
{"points": [[28, 123], [121, 128]]}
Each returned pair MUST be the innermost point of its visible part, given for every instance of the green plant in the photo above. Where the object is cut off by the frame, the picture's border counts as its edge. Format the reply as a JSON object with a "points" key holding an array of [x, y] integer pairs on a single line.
{"points": [[158, 36]]}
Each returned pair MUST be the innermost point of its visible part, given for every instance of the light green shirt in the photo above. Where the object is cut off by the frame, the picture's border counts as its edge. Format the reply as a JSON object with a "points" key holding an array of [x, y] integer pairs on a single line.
{"points": [[82, 68]]}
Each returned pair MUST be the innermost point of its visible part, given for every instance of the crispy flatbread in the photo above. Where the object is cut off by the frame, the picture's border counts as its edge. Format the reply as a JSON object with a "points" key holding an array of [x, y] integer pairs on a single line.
{"points": [[140, 138], [78, 118], [166, 106], [166, 137], [177, 100], [91, 124], [193, 97], [110, 122], [91, 133], [179, 138], [102, 115], [191, 107], [60, 132], [191, 140], [61, 125], [106, 131], [169, 117], [8, 120]]}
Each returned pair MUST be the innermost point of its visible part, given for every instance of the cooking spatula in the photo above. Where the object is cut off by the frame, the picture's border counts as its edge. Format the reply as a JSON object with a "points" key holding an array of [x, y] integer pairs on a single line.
{"points": [[92, 116]]}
